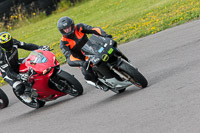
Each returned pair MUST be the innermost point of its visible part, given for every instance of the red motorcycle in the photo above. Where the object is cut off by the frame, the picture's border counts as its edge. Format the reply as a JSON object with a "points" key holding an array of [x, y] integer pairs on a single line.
{"points": [[46, 81], [3, 99]]}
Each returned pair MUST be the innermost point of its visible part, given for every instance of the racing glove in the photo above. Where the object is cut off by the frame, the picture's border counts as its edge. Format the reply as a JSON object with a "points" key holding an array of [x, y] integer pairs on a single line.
{"points": [[45, 48], [109, 36]]}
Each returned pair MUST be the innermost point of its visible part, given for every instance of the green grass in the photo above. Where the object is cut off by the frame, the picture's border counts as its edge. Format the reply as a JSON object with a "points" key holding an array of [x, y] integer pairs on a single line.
{"points": [[124, 19]]}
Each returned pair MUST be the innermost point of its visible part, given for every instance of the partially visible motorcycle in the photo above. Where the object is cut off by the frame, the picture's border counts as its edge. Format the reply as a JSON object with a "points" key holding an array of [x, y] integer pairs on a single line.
{"points": [[111, 66], [46, 81], [3, 99]]}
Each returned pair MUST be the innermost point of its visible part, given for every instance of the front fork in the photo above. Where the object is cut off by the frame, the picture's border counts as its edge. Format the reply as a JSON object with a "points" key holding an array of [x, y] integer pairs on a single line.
{"points": [[115, 68]]}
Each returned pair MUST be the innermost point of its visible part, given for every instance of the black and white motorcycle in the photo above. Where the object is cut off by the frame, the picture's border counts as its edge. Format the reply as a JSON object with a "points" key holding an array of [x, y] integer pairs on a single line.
{"points": [[111, 66]]}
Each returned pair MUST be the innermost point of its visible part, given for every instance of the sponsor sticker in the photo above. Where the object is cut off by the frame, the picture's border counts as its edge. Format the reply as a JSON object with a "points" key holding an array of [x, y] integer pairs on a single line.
{"points": [[101, 50], [105, 57], [110, 51]]}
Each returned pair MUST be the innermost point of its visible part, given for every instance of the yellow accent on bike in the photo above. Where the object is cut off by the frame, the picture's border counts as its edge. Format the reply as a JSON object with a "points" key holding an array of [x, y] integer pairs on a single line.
{"points": [[105, 57], [4, 38]]}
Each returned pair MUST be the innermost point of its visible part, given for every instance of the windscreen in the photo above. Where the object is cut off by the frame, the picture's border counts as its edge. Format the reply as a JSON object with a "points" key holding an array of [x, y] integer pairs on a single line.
{"points": [[93, 45], [37, 57]]}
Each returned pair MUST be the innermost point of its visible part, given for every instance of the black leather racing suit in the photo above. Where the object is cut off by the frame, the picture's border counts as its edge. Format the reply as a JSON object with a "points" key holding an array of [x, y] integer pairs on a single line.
{"points": [[9, 63], [71, 47]]}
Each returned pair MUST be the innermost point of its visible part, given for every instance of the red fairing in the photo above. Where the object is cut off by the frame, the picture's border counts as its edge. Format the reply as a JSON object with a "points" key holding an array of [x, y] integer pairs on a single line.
{"points": [[23, 68], [39, 67], [39, 61]]}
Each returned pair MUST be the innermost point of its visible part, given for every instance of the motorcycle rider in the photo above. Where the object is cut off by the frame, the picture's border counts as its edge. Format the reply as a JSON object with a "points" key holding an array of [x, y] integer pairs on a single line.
{"points": [[73, 39], [9, 62]]}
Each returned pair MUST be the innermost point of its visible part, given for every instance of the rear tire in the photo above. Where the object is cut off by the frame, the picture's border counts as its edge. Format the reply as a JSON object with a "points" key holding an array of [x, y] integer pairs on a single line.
{"points": [[74, 86], [133, 74], [34, 104], [3, 99]]}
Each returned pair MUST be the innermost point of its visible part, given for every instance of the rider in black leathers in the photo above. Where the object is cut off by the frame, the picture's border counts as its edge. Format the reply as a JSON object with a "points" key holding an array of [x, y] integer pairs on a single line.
{"points": [[9, 62], [74, 38]]}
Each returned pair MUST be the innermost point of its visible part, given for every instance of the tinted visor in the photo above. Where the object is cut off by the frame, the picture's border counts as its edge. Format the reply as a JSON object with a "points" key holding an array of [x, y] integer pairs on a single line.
{"points": [[7, 46], [68, 29]]}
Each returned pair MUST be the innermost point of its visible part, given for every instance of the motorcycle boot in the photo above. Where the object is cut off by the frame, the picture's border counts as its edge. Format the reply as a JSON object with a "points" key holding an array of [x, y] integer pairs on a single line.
{"points": [[22, 91], [26, 98], [102, 86]]}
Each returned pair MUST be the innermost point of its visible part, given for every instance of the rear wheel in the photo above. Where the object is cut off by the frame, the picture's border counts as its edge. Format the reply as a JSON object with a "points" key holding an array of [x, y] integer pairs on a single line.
{"points": [[70, 84], [133, 75], [3, 99], [35, 103]]}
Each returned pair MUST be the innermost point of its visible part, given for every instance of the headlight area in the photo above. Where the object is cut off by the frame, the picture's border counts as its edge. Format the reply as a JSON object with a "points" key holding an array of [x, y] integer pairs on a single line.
{"points": [[46, 71]]}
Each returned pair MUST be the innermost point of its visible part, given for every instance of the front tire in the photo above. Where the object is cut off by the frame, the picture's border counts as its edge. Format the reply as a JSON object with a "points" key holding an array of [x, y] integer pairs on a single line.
{"points": [[133, 75], [3, 99], [72, 85], [34, 104]]}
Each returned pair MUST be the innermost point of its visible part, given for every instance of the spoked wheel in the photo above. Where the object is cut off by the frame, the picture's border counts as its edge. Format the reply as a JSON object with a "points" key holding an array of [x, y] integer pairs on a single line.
{"points": [[31, 102], [133, 75], [70, 84], [3, 100]]}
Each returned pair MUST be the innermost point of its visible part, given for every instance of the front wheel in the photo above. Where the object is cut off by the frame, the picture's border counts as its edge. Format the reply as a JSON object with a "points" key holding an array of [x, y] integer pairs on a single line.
{"points": [[133, 75], [35, 103], [70, 84], [3, 99]]}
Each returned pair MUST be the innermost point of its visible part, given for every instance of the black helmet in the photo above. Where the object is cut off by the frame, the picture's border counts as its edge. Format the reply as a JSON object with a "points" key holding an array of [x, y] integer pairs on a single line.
{"points": [[66, 26], [6, 41]]}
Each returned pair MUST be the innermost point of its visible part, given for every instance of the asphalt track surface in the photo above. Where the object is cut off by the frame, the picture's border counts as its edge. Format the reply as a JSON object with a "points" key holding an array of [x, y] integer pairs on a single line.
{"points": [[170, 60]]}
